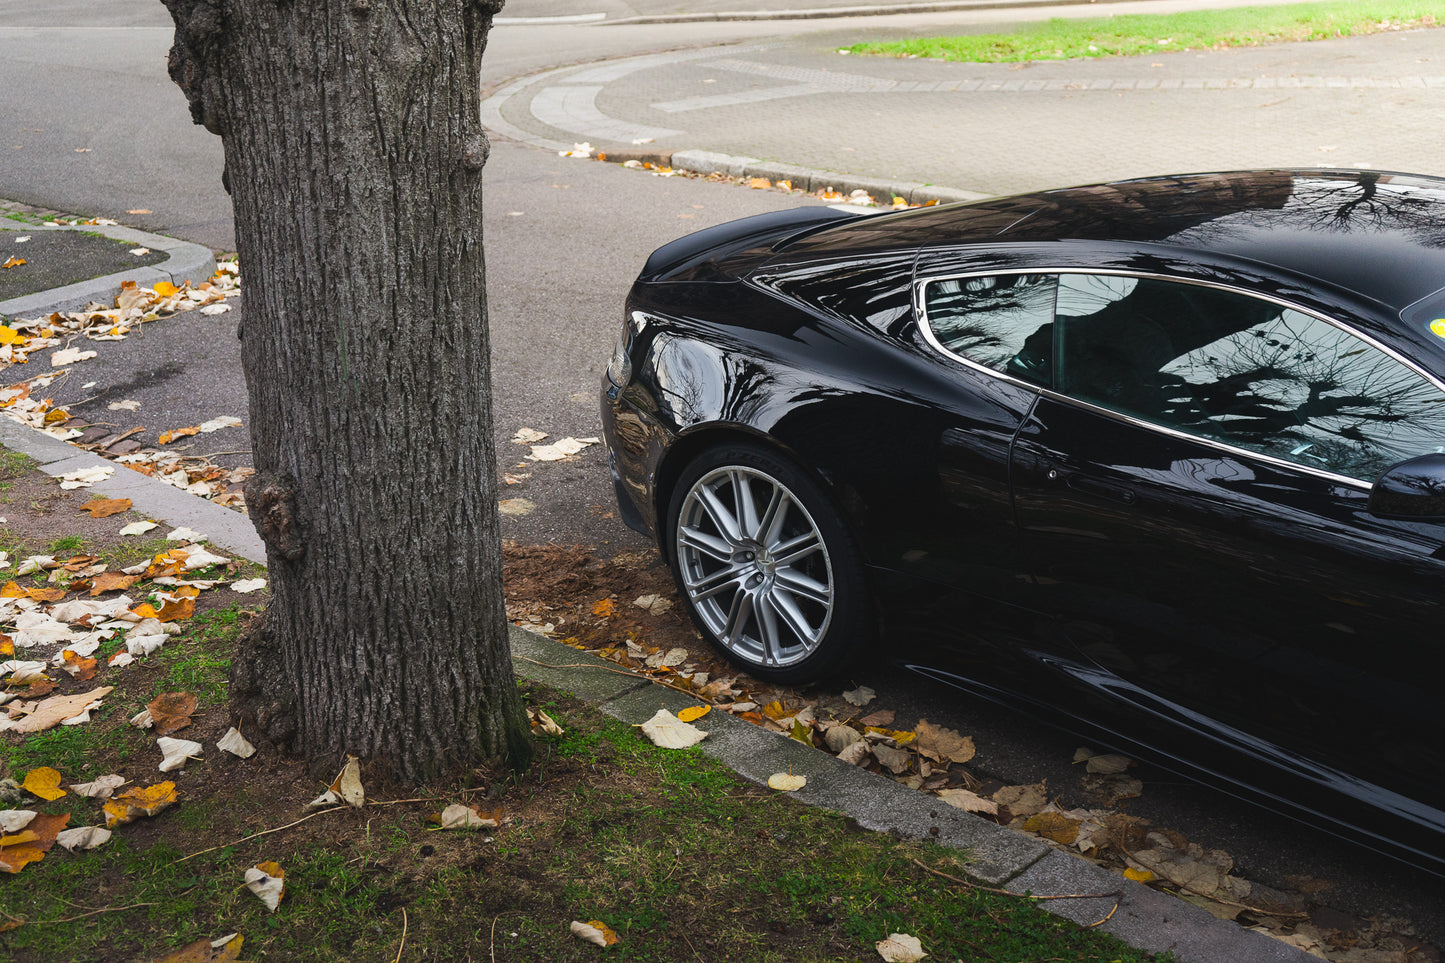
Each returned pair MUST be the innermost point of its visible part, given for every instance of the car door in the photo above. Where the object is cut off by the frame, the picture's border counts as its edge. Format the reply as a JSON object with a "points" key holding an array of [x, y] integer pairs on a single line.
{"points": [[1192, 495]]}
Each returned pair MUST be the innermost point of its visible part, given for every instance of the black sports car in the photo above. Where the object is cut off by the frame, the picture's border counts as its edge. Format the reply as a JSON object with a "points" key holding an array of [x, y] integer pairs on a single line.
{"points": [[1163, 458]]}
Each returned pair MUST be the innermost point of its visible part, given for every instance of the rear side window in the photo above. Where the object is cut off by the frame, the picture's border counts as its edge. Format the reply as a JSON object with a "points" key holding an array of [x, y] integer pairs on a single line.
{"points": [[1003, 322], [1244, 371]]}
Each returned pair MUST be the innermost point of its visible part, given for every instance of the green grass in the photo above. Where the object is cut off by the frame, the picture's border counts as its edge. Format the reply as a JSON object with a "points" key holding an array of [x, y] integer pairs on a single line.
{"points": [[674, 852], [1135, 34]]}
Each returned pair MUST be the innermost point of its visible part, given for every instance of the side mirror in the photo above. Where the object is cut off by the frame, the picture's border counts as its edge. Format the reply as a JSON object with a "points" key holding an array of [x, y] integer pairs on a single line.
{"points": [[1411, 489]]}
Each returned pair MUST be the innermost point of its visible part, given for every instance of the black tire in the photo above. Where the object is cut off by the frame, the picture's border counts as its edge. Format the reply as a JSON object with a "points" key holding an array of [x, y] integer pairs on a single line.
{"points": [[768, 571]]}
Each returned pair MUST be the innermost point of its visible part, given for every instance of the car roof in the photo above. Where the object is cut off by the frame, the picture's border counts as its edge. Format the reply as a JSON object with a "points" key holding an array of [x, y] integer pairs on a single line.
{"points": [[1376, 233]]}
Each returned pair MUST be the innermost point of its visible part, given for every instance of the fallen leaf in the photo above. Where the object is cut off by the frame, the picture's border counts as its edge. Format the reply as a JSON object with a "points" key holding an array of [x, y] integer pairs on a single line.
{"points": [[1139, 875], [225, 950], [1055, 826], [83, 837], [138, 802], [345, 788], [172, 711], [166, 437], [669, 732], [457, 816], [236, 744], [248, 585], [900, 948], [786, 781], [137, 528], [57, 709], [893, 759], [184, 534], [267, 881], [540, 720], [860, 696], [940, 743], [14, 820], [693, 713], [101, 788], [105, 507], [528, 436], [177, 752], [594, 931], [969, 802], [111, 582]]}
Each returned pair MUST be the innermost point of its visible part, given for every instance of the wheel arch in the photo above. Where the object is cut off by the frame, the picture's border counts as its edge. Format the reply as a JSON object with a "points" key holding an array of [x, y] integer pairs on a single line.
{"points": [[687, 447]]}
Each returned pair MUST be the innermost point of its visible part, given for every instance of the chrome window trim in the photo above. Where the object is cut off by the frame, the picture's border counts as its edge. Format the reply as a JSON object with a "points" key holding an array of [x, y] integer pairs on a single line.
{"points": [[920, 312]]}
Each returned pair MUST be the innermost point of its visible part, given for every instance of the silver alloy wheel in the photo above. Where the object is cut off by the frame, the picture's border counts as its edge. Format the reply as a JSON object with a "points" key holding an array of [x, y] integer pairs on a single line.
{"points": [[754, 566]]}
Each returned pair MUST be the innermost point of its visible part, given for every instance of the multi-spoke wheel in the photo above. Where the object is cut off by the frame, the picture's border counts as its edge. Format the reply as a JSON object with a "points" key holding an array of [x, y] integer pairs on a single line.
{"points": [[767, 569]]}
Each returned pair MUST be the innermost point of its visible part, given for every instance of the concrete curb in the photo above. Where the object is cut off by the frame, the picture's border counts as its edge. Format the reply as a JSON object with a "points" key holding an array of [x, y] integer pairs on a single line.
{"points": [[808, 179], [1144, 918], [223, 528], [185, 262]]}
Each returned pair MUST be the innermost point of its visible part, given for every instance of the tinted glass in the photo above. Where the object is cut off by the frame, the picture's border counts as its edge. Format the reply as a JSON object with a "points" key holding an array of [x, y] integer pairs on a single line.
{"points": [[1004, 322], [1244, 371]]}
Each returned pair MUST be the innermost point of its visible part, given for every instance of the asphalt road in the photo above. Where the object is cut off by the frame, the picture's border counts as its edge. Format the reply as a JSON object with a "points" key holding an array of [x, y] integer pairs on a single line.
{"points": [[89, 123]]}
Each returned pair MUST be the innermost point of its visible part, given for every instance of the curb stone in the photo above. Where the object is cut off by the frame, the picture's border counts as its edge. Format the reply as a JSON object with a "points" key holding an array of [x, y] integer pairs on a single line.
{"points": [[1000, 857], [223, 528], [185, 262], [802, 178]]}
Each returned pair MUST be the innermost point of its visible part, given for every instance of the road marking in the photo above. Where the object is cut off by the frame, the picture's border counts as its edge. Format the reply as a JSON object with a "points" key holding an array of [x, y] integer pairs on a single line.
{"points": [[565, 98]]}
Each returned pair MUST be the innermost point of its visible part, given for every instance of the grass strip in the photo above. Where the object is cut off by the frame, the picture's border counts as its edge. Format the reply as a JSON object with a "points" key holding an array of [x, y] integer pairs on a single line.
{"points": [[1136, 34]]}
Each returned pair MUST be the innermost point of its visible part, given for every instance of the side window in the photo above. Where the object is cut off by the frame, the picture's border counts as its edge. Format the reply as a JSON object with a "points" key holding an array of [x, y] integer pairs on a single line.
{"points": [[1003, 322], [1243, 371]]}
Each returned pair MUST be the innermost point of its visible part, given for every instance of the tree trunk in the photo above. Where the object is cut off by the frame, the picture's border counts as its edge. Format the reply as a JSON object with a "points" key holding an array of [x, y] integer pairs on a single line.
{"points": [[354, 155]]}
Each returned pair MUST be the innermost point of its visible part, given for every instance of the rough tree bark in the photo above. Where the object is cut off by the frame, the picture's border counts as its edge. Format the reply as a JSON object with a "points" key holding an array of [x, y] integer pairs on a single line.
{"points": [[354, 156]]}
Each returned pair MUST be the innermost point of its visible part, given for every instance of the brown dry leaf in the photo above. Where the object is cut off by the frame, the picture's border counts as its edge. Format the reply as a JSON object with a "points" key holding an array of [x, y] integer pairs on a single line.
{"points": [[172, 711], [80, 667], [458, 816], [969, 802], [894, 760], [57, 709], [112, 582], [883, 717], [106, 507], [175, 610], [940, 743], [138, 802], [1023, 800], [1055, 826], [1108, 765], [43, 782]]}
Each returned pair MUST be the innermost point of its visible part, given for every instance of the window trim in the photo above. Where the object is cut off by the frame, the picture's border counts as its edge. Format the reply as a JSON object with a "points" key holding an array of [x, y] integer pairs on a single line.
{"points": [[925, 326]]}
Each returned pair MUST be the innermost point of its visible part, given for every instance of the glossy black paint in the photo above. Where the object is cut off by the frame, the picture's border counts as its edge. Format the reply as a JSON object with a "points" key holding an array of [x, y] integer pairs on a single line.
{"points": [[1238, 618]]}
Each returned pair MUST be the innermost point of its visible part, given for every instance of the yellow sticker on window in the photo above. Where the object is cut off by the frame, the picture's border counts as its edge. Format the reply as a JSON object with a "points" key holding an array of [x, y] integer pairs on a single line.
{"points": [[1437, 327]]}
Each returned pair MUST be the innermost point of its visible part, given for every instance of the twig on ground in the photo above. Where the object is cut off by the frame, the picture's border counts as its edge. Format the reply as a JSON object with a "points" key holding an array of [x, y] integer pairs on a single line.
{"points": [[1115, 895], [403, 935], [72, 919], [267, 832]]}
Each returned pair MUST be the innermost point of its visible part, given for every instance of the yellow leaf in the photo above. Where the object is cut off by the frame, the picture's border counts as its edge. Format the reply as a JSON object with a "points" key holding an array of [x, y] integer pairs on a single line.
{"points": [[169, 436], [15, 858], [145, 610], [165, 288], [1139, 875], [43, 782], [606, 608], [138, 802], [179, 609], [759, 183], [900, 736], [775, 710], [692, 713], [9, 335], [13, 261]]}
